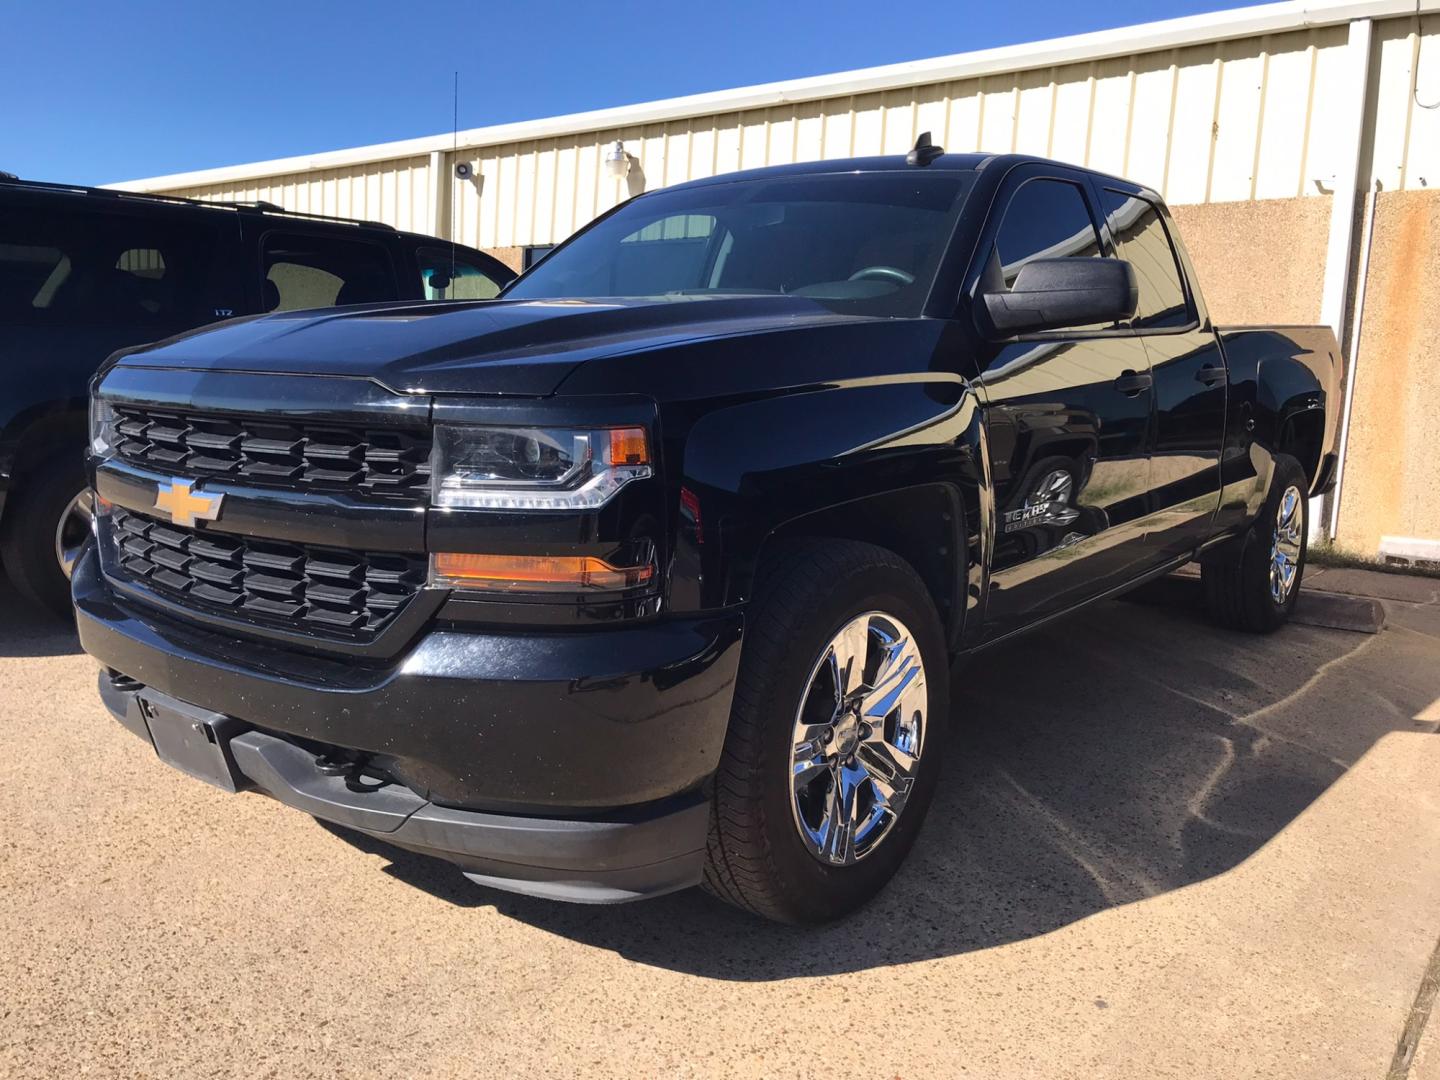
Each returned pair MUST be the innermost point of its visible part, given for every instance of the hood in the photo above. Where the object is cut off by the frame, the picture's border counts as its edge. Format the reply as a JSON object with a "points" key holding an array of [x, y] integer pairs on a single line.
{"points": [[521, 347]]}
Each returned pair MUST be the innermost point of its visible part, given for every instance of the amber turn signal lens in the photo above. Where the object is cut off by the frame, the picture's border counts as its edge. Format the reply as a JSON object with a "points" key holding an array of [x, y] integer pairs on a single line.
{"points": [[535, 573], [628, 446]]}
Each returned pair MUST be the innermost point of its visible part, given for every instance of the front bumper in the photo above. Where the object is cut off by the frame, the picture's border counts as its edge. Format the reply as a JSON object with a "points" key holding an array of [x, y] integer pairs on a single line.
{"points": [[567, 764], [590, 861]]}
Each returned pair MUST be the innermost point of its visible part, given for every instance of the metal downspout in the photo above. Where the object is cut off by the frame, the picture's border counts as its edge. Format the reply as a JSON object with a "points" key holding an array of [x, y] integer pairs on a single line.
{"points": [[1350, 139], [1350, 367]]}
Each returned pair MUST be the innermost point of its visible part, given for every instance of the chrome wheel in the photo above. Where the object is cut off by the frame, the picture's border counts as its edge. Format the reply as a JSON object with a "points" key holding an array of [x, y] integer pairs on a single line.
{"points": [[1285, 547], [859, 734], [73, 530]]}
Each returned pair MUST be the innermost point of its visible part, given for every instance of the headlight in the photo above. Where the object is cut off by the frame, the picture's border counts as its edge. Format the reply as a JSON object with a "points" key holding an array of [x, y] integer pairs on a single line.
{"points": [[497, 468], [102, 427]]}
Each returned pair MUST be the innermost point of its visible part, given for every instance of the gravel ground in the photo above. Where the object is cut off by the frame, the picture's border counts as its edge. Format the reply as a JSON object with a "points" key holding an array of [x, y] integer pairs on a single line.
{"points": [[1161, 849]]}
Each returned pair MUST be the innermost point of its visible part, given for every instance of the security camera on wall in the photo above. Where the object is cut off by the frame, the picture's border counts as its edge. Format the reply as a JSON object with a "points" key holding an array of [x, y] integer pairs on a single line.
{"points": [[464, 170]]}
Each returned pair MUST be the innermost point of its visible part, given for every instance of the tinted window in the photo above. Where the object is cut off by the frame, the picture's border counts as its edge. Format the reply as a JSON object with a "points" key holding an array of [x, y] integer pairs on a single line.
{"points": [[1046, 219], [319, 271], [446, 274], [1140, 235], [674, 248], [80, 268], [855, 242]]}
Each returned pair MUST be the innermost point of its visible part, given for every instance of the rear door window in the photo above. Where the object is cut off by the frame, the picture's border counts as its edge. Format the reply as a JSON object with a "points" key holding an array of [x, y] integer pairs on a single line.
{"points": [[301, 271], [1140, 236], [446, 274], [80, 267]]}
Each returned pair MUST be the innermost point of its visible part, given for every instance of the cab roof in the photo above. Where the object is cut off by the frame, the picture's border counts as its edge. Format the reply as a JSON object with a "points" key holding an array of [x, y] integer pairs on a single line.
{"points": [[835, 166], [892, 163]]}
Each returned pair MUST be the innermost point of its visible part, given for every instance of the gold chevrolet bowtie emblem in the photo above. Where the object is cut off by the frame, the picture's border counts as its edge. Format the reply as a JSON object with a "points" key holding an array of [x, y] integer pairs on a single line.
{"points": [[184, 506]]}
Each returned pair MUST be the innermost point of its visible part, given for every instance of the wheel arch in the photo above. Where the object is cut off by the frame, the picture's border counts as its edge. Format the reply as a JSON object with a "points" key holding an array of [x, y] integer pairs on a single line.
{"points": [[924, 525], [1302, 436], [899, 464]]}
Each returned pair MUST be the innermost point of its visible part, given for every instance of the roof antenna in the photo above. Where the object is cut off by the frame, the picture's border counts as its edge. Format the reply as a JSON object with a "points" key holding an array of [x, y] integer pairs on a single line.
{"points": [[924, 152], [454, 154]]}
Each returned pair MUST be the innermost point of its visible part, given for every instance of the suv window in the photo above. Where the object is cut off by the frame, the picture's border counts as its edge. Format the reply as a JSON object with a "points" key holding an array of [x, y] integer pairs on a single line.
{"points": [[63, 267], [446, 274], [301, 271], [1140, 234], [1046, 219]]}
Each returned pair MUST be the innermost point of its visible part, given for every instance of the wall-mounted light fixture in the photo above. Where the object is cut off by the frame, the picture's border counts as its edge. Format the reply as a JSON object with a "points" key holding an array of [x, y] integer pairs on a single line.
{"points": [[617, 161]]}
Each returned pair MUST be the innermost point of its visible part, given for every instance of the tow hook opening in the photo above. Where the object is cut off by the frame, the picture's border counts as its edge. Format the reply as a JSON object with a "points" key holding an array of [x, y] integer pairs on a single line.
{"points": [[359, 771], [123, 682]]}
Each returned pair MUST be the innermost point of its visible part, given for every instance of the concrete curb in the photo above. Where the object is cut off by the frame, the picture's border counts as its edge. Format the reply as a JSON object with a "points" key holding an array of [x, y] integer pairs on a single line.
{"points": [[1340, 611]]}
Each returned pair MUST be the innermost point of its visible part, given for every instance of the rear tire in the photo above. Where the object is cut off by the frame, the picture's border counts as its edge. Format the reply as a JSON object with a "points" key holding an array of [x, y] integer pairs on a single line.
{"points": [[770, 850], [1255, 586], [32, 531]]}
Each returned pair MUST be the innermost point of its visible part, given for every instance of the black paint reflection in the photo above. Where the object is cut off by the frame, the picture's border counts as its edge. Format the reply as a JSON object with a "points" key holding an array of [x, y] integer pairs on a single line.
{"points": [[1070, 468]]}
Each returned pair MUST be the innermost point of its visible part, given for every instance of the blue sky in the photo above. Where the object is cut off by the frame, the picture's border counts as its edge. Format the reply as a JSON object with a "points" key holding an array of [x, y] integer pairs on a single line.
{"points": [[98, 92]]}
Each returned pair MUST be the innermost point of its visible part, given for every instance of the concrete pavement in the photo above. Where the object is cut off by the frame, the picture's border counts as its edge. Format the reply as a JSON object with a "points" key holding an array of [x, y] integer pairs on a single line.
{"points": [[1162, 849]]}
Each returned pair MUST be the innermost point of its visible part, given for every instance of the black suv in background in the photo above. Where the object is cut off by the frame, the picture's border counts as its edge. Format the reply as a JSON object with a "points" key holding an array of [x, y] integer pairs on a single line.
{"points": [[85, 271]]}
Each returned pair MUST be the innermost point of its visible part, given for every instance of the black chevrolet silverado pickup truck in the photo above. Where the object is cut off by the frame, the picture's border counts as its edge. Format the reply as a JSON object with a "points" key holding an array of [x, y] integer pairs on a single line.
{"points": [[654, 571]]}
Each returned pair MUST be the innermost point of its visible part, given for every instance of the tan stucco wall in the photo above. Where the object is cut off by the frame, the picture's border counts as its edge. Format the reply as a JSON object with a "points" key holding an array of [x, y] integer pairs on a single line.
{"points": [[1259, 262], [513, 257], [1264, 261], [1393, 464]]}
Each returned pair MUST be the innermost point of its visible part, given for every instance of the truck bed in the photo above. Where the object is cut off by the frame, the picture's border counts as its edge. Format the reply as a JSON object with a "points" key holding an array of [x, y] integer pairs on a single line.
{"points": [[1259, 359]]}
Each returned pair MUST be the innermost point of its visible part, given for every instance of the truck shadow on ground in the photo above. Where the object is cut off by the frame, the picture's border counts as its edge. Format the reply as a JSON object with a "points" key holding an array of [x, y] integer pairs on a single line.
{"points": [[1124, 752], [27, 631]]}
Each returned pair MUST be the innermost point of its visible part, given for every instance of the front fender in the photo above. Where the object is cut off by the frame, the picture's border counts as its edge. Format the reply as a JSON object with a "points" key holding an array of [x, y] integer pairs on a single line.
{"points": [[756, 469]]}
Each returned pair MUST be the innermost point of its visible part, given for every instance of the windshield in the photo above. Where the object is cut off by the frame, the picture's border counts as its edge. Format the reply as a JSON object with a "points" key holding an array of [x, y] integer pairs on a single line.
{"points": [[864, 243]]}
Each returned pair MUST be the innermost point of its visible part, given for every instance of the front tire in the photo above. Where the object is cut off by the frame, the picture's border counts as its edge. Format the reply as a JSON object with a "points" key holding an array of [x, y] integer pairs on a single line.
{"points": [[1255, 587], [46, 523], [836, 733]]}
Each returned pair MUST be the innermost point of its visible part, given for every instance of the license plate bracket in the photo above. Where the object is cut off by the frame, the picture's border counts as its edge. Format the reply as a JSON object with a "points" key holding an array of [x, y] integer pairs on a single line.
{"points": [[193, 740]]}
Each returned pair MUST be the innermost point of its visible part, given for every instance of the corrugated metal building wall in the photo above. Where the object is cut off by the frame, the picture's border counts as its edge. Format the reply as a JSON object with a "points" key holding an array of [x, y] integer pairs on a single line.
{"points": [[1227, 120], [1247, 121], [397, 191]]}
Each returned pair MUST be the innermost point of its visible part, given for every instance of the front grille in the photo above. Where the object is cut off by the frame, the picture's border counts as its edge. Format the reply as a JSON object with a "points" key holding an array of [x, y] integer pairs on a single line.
{"points": [[276, 453], [274, 583]]}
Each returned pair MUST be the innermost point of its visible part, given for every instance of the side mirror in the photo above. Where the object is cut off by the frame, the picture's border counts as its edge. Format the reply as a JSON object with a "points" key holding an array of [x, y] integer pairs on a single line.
{"points": [[1053, 294]]}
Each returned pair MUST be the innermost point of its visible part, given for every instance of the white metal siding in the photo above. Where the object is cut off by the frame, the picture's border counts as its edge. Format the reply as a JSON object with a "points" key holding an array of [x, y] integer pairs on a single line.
{"points": [[396, 192], [1407, 138], [1228, 120]]}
